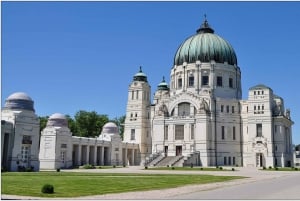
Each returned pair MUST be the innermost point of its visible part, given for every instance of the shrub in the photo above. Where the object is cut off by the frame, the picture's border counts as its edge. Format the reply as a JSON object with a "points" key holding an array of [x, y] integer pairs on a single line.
{"points": [[146, 167], [99, 167], [270, 167], [236, 165], [276, 168], [192, 165], [296, 169], [201, 168], [48, 188], [28, 169], [88, 166], [233, 169], [57, 170], [114, 166], [168, 166], [217, 167], [264, 168], [173, 168], [221, 168]]}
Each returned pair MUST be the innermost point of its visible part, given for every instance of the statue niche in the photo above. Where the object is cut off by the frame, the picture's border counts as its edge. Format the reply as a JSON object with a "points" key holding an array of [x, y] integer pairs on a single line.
{"points": [[203, 107], [163, 111]]}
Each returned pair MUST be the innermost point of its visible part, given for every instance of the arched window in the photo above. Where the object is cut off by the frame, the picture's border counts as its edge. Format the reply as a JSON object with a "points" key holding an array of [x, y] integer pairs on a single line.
{"points": [[184, 109]]}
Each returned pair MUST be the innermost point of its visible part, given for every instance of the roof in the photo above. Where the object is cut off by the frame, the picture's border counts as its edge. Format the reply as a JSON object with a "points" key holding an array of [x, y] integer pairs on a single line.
{"points": [[205, 46], [260, 86]]}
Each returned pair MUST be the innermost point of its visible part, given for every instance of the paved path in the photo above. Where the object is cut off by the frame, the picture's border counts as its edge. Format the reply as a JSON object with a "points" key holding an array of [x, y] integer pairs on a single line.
{"points": [[258, 185]]}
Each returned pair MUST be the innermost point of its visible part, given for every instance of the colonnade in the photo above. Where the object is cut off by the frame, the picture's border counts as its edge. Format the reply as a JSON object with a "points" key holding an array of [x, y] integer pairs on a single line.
{"points": [[101, 154]]}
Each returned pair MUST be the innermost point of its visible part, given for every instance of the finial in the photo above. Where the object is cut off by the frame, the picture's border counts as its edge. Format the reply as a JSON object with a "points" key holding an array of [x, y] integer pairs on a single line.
{"points": [[140, 69], [163, 79], [205, 28]]}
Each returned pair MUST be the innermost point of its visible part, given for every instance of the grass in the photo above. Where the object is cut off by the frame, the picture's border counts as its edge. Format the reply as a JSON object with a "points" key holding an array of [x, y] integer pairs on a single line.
{"points": [[71, 184], [189, 168], [281, 169]]}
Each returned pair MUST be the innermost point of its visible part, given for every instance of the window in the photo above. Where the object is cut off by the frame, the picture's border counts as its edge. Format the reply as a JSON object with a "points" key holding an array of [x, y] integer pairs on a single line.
{"points": [[191, 81], [229, 160], [233, 160], [219, 81], [132, 137], [62, 156], [192, 131], [254, 107], [135, 114], [230, 82], [63, 146], [262, 92], [131, 115], [26, 139], [132, 95], [275, 128], [179, 132], [262, 107], [227, 108], [25, 152], [137, 94], [258, 92], [225, 160], [233, 133], [222, 108], [223, 132], [184, 109], [166, 132], [258, 130], [180, 83], [232, 109], [205, 80], [254, 92]]}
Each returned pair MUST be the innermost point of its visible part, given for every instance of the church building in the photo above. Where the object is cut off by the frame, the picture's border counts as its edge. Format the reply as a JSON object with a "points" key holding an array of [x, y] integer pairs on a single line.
{"points": [[198, 118], [201, 119]]}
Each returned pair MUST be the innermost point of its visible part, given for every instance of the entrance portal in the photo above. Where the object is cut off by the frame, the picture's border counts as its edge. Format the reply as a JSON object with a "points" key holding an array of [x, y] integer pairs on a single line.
{"points": [[259, 160], [166, 150], [178, 150]]}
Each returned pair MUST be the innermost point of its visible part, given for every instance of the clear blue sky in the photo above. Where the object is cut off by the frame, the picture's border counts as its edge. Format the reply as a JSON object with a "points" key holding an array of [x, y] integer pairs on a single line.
{"points": [[70, 56]]}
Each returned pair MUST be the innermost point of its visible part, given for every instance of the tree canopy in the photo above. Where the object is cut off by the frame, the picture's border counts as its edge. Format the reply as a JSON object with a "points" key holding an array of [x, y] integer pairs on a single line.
{"points": [[87, 124]]}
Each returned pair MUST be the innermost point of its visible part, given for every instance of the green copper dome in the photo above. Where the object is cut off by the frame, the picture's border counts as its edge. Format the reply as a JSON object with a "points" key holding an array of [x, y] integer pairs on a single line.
{"points": [[163, 85], [140, 76], [205, 46]]}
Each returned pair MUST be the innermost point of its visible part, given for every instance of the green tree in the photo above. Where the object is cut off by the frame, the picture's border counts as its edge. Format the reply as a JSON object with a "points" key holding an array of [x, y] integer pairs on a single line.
{"points": [[89, 124], [120, 123], [43, 122], [72, 124]]}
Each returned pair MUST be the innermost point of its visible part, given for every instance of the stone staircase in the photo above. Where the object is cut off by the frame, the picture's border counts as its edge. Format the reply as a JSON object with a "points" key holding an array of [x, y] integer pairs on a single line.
{"points": [[169, 161]]}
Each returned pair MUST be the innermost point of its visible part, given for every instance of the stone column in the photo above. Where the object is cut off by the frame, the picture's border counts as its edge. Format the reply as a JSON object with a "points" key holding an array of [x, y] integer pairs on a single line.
{"points": [[87, 154], [95, 155], [79, 155], [125, 159], [102, 155], [132, 157]]}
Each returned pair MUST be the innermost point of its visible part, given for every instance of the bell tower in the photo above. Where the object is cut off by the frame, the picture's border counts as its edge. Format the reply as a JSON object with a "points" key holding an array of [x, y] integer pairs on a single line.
{"points": [[137, 122]]}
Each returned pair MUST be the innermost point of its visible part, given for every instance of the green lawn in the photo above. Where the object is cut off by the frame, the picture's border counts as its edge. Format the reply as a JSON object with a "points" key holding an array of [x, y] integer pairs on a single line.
{"points": [[71, 184], [281, 169]]}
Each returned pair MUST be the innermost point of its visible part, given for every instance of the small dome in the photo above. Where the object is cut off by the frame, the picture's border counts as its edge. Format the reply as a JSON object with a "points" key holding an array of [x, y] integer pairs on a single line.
{"points": [[163, 85], [19, 100], [205, 46], [57, 120], [110, 128], [140, 76]]}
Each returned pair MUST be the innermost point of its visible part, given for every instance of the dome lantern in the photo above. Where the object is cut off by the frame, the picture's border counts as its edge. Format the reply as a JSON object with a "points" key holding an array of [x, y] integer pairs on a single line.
{"points": [[140, 76], [163, 85]]}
